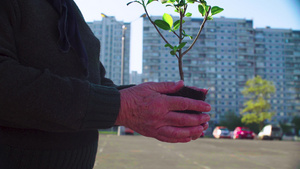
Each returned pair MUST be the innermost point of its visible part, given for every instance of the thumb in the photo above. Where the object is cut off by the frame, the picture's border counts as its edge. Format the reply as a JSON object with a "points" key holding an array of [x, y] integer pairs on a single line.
{"points": [[167, 87]]}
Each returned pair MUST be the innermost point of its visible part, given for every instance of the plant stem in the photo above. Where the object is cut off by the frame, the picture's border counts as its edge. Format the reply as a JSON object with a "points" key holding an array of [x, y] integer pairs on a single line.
{"points": [[180, 69], [180, 50], [180, 54], [201, 27], [144, 6], [176, 34]]}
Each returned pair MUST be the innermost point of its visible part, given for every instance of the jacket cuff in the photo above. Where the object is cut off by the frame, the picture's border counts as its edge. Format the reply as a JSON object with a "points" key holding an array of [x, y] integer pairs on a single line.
{"points": [[103, 107], [124, 86]]}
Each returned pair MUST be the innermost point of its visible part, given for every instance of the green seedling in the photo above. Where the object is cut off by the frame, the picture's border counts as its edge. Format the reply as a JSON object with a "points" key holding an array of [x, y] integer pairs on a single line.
{"points": [[176, 27]]}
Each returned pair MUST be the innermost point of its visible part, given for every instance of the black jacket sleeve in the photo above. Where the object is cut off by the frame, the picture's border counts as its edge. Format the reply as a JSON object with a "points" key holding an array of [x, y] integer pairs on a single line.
{"points": [[31, 98]]}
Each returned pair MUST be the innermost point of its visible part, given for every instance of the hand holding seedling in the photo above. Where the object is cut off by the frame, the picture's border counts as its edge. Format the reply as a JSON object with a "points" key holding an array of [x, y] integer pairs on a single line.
{"points": [[147, 109]]}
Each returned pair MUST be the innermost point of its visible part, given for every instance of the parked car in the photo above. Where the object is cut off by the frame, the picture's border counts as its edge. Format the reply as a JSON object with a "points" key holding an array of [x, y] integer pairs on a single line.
{"points": [[243, 133], [289, 137], [221, 132], [231, 134], [290, 133], [270, 132], [128, 131]]}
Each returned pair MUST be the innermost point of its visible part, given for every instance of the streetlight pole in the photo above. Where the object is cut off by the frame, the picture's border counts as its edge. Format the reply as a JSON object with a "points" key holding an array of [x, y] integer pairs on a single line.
{"points": [[123, 53], [122, 64]]}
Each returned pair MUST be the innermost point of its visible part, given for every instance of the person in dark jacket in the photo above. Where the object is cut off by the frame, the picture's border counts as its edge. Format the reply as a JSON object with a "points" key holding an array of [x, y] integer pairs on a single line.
{"points": [[54, 95]]}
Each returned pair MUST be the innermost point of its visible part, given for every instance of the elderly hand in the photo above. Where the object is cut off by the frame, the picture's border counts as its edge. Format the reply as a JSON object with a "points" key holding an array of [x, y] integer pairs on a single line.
{"points": [[147, 110]]}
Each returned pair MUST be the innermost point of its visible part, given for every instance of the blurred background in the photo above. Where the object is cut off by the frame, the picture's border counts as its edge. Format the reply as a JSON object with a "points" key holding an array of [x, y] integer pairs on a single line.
{"points": [[248, 57]]}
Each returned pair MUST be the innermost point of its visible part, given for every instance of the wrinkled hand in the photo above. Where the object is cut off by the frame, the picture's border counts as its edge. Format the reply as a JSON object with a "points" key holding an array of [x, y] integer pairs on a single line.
{"points": [[147, 110]]}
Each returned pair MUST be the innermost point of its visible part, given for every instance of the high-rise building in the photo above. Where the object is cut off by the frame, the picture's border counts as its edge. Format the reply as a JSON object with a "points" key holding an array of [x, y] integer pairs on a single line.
{"points": [[135, 78], [293, 72], [227, 54], [277, 56], [110, 33]]}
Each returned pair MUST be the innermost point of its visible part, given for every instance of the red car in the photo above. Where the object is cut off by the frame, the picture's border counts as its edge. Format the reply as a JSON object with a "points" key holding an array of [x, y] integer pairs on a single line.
{"points": [[243, 132], [202, 135], [128, 131]]}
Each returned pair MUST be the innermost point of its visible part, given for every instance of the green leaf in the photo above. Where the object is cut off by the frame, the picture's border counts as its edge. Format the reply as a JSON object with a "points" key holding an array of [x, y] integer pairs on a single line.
{"points": [[168, 19], [170, 46], [167, 1], [203, 2], [173, 52], [133, 2], [188, 14], [177, 24], [201, 10], [175, 48], [162, 24], [191, 1], [182, 3], [206, 8], [216, 10], [186, 35], [182, 45], [150, 1], [210, 18]]}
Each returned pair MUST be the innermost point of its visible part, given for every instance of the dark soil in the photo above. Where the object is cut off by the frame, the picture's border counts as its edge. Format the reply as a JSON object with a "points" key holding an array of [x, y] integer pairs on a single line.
{"points": [[190, 93]]}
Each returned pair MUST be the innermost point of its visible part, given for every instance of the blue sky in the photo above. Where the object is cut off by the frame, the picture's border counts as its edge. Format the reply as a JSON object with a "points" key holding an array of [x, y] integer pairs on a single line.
{"points": [[273, 13]]}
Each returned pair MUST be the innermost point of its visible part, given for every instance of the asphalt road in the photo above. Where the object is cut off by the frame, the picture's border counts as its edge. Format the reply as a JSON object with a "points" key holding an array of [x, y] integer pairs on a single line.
{"points": [[138, 152]]}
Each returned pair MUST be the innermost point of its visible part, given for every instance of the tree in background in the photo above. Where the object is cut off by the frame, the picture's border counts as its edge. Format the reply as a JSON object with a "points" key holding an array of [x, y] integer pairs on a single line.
{"points": [[231, 120], [296, 122], [257, 92]]}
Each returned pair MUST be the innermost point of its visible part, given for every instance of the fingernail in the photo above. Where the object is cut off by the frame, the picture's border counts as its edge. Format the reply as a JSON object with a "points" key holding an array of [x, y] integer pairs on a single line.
{"points": [[205, 91], [208, 108], [206, 117], [177, 83]]}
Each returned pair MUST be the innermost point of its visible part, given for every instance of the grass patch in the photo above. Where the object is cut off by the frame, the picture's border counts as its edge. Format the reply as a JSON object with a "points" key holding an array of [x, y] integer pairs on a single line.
{"points": [[108, 132]]}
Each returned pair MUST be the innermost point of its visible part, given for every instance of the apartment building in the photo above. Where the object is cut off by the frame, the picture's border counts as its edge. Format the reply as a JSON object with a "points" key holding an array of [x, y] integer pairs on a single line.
{"points": [[277, 56], [110, 33], [227, 54], [135, 77]]}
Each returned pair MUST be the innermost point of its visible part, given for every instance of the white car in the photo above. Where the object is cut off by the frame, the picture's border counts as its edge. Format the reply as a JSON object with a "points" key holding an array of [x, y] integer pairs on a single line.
{"points": [[221, 132], [270, 132]]}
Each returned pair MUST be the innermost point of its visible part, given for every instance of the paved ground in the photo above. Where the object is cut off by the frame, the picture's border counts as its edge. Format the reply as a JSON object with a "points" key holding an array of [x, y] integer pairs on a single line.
{"points": [[138, 152]]}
